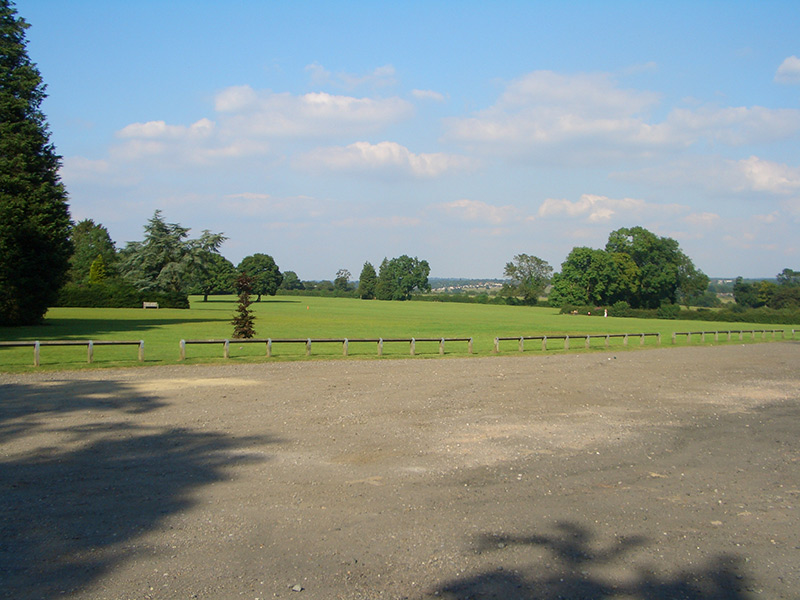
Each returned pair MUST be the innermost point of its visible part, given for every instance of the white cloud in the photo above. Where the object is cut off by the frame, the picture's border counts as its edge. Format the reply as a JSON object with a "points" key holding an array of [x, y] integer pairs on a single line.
{"points": [[591, 207], [384, 157], [705, 219], [734, 126], [381, 77], [766, 176], [314, 115], [789, 71], [750, 176], [290, 208], [381, 222], [588, 119], [76, 168], [475, 210], [428, 95]]}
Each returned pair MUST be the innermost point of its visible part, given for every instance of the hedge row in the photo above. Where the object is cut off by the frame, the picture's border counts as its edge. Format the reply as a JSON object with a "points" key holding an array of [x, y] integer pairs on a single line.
{"points": [[116, 295], [673, 311]]}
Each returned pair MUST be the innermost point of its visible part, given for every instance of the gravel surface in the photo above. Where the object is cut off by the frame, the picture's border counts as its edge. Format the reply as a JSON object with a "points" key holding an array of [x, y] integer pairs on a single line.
{"points": [[656, 474]]}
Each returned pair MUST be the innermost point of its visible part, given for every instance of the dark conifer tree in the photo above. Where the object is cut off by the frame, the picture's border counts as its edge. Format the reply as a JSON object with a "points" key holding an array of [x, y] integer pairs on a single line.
{"points": [[244, 319], [34, 217]]}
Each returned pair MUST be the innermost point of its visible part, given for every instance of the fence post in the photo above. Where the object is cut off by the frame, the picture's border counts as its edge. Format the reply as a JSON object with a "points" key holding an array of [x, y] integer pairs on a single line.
{"points": [[344, 347], [413, 344], [141, 350], [674, 338], [269, 347], [659, 338], [729, 335], [441, 346], [308, 347], [702, 336], [608, 340], [226, 349], [470, 345], [587, 341], [544, 343], [716, 336], [522, 344], [641, 341], [497, 344], [566, 342], [36, 352], [380, 347], [90, 352], [625, 340], [753, 334], [183, 349]]}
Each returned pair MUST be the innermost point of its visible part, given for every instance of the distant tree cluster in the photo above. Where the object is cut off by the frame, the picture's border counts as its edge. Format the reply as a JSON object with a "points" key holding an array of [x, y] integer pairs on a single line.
{"points": [[399, 277], [636, 267], [166, 266], [784, 293]]}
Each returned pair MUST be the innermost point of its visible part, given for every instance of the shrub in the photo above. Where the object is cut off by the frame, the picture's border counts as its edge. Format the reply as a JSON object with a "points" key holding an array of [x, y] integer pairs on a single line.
{"points": [[116, 294], [668, 311]]}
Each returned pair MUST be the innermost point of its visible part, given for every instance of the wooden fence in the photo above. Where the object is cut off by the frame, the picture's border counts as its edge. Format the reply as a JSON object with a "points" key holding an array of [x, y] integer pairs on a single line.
{"points": [[345, 342], [567, 339], [587, 339], [729, 333], [90, 344]]}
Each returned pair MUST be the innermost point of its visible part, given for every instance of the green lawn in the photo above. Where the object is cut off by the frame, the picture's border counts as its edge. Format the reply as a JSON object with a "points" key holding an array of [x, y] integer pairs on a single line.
{"points": [[314, 317]]}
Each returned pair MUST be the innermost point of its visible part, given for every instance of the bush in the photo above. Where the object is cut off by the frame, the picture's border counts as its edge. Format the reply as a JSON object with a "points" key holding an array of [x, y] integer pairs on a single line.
{"points": [[620, 309], [669, 311], [116, 294]]}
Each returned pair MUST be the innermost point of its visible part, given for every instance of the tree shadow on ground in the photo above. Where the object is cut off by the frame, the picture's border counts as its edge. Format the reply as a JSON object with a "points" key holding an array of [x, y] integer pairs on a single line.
{"points": [[26, 409], [568, 573], [75, 501]]}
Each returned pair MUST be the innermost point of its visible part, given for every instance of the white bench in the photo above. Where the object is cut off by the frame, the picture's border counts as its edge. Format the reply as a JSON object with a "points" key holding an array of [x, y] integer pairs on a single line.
{"points": [[149, 304]]}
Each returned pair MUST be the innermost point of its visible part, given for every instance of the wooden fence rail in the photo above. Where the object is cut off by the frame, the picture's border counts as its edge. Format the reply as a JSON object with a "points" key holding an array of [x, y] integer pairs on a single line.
{"points": [[587, 339], [345, 342], [90, 344], [729, 333]]}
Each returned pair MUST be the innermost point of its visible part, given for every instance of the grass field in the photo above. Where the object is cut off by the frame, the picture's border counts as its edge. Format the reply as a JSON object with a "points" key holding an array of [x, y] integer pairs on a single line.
{"points": [[315, 317]]}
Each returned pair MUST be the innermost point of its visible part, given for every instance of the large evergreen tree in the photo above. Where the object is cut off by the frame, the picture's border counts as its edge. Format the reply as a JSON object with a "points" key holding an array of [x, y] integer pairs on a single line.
{"points": [[34, 217], [166, 261]]}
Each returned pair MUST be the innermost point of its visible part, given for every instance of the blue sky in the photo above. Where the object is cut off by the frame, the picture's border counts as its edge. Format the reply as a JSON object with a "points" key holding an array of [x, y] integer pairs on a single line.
{"points": [[328, 134]]}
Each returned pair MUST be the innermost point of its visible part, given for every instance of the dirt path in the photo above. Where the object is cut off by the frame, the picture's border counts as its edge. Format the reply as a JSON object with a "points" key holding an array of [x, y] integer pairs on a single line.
{"points": [[671, 473]]}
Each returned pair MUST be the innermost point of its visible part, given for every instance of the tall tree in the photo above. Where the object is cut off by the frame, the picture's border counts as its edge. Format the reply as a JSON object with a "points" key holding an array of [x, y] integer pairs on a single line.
{"points": [[366, 282], [34, 216], [789, 277], [342, 281], [244, 319], [90, 240], [400, 276], [594, 277], [166, 261], [529, 277], [215, 275], [666, 274], [291, 281], [265, 273]]}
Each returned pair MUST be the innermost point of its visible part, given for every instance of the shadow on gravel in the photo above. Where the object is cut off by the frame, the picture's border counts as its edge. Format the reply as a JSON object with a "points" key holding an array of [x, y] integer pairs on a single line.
{"points": [[568, 574], [27, 409], [72, 507]]}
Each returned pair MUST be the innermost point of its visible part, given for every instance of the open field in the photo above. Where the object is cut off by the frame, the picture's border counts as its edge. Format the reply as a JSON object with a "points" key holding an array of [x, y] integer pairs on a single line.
{"points": [[671, 473], [303, 317]]}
